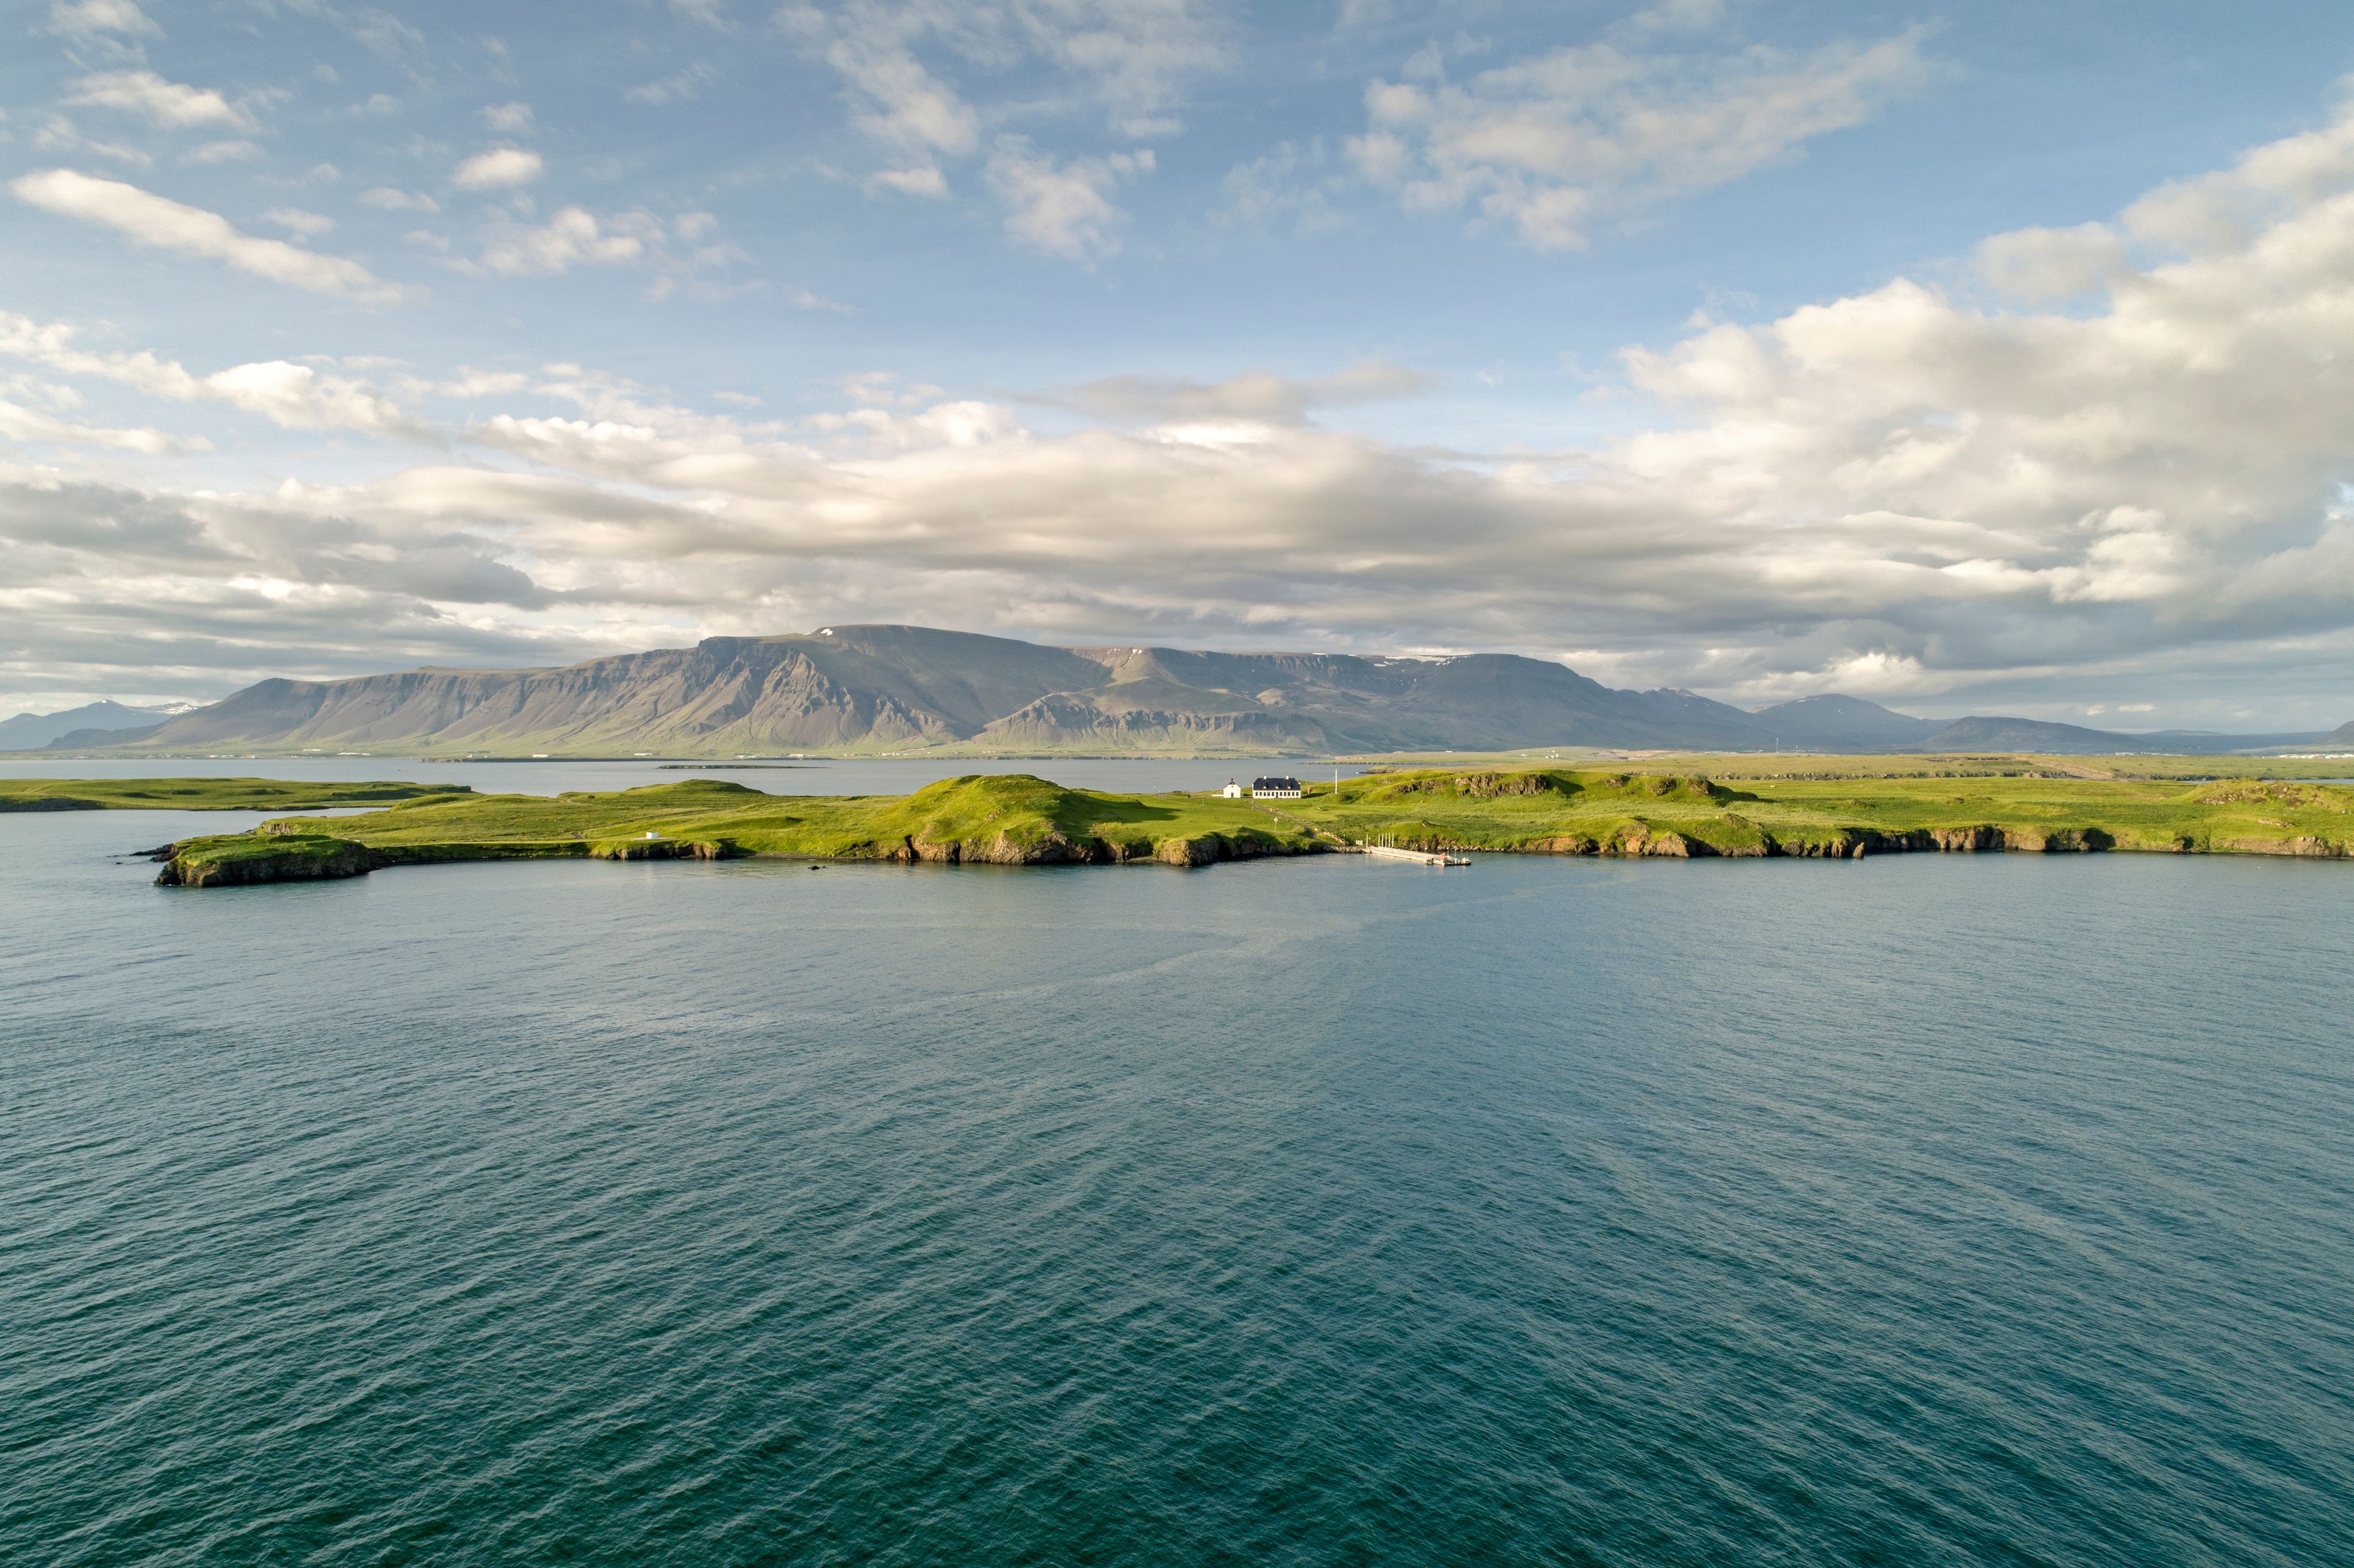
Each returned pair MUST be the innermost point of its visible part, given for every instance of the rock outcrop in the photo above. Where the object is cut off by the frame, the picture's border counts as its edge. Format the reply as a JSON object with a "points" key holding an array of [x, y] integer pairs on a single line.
{"points": [[1056, 849], [242, 862], [665, 849], [1646, 841]]}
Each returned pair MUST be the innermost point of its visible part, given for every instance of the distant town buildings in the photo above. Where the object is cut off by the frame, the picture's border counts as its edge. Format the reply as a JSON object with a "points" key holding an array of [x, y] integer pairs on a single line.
{"points": [[1274, 788]]}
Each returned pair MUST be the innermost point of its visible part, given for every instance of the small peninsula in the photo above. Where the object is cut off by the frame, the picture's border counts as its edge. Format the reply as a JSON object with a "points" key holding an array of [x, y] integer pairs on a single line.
{"points": [[1021, 820]]}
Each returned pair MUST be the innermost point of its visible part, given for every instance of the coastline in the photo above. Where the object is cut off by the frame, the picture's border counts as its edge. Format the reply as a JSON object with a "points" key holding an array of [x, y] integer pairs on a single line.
{"points": [[1021, 820]]}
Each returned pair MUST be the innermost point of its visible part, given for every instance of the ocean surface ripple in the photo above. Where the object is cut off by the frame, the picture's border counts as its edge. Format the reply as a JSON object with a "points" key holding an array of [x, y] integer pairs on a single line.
{"points": [[1942, 1210]]}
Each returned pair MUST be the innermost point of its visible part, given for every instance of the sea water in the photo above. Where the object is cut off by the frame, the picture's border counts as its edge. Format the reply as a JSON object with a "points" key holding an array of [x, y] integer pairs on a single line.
{"points": [[1919, 1210]]}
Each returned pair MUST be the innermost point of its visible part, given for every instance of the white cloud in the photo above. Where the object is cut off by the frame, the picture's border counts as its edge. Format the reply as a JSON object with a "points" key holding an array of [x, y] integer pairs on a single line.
{"points": [[171, 105], [572, 238], [19, 423], [286, 394], [384, 36], [299, 398], [1258, 397], [926, 181], [486, 383], [1557, 144], [886, 390], [900, 102], [2040, 264], [295, 220], [58, 134], [514, 119], [1128, 59], [906, 67], [1063, 209], [386, 199], [148, 219], [1679, 16], [231, 151], [51, 345], [1295, 181], [685, 83], [501, 168], [91, 18], [686, 249]]}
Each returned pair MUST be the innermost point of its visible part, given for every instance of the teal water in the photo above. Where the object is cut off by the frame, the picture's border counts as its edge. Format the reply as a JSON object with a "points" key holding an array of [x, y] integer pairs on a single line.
{"points": [[1935, 1209]]}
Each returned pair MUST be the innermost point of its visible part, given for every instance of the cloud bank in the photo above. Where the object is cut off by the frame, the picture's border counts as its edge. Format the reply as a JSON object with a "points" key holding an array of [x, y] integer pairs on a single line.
{"points": [[2112, 454]]}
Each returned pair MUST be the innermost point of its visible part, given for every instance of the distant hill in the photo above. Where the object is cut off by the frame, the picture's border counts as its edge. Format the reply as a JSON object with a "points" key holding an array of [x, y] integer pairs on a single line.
{"points": [[2034, 735], [1835, 722], [2022, 734], [903, 687], [107, 720]]}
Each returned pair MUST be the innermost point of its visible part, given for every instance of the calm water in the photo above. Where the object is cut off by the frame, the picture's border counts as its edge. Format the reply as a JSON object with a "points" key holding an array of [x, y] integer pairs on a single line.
{"points": [[1918, 1211], [855, 778]]}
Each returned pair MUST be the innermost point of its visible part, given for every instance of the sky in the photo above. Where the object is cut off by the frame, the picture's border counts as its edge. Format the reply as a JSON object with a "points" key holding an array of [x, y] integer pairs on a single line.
{"points": [[1995, 357]]}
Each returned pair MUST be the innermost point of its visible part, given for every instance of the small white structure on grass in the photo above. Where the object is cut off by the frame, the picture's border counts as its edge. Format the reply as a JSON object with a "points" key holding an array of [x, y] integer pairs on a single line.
{"points": [[1232, 791]]}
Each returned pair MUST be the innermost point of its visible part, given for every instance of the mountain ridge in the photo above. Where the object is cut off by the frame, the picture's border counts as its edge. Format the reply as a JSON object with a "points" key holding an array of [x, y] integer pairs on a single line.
{"points": [[900, 688], [31, 732]]}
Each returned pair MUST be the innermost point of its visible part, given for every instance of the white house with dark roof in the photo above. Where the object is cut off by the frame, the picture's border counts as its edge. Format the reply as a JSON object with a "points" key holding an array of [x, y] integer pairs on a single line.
{"points": [[1276, 789], [1232, 791]]}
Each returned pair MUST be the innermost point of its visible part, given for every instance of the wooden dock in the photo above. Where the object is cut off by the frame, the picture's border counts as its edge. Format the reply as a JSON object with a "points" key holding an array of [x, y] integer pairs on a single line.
{"points": [[1420, 857]]}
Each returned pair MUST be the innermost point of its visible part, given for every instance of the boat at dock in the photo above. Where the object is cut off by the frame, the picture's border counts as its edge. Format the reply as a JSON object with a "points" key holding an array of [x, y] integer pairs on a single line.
{"points": [[1420, 857]]}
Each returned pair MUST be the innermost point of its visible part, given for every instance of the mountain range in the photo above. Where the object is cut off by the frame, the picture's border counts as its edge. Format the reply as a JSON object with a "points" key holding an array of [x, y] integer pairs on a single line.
{"points": [[92, 724], [900, 688]]}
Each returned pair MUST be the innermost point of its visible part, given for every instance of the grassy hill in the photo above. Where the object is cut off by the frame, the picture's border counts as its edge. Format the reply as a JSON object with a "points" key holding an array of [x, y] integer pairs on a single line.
{"points": [[994, 818], [1576, 812]]}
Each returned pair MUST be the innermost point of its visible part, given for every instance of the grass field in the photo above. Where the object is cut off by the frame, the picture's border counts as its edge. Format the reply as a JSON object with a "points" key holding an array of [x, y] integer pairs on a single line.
{"points": [[1746, 765], [1016, 819], [1578, 811], [206, 794], [1003, 819]]}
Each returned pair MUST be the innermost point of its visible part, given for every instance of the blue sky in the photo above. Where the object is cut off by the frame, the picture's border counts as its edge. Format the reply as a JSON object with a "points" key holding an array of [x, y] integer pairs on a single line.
{"points": [[1968, 359]]}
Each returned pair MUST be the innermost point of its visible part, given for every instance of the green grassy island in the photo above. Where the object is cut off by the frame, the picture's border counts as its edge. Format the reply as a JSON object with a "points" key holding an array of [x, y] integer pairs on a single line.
{"points": [[1019, 819]]}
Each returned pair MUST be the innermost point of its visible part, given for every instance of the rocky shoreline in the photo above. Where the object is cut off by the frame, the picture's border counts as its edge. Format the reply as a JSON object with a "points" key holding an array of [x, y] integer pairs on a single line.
{"points": [[309, 857], [315, 857]]}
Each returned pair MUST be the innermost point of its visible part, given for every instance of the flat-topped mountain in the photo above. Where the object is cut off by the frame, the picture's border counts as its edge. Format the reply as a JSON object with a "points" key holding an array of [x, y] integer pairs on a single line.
{"points": [[905, 687]]}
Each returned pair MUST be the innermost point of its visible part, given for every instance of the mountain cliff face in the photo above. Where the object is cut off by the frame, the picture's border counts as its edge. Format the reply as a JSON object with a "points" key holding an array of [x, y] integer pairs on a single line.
{"points": [[897, 687], [900, 684], [903, 687]]}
